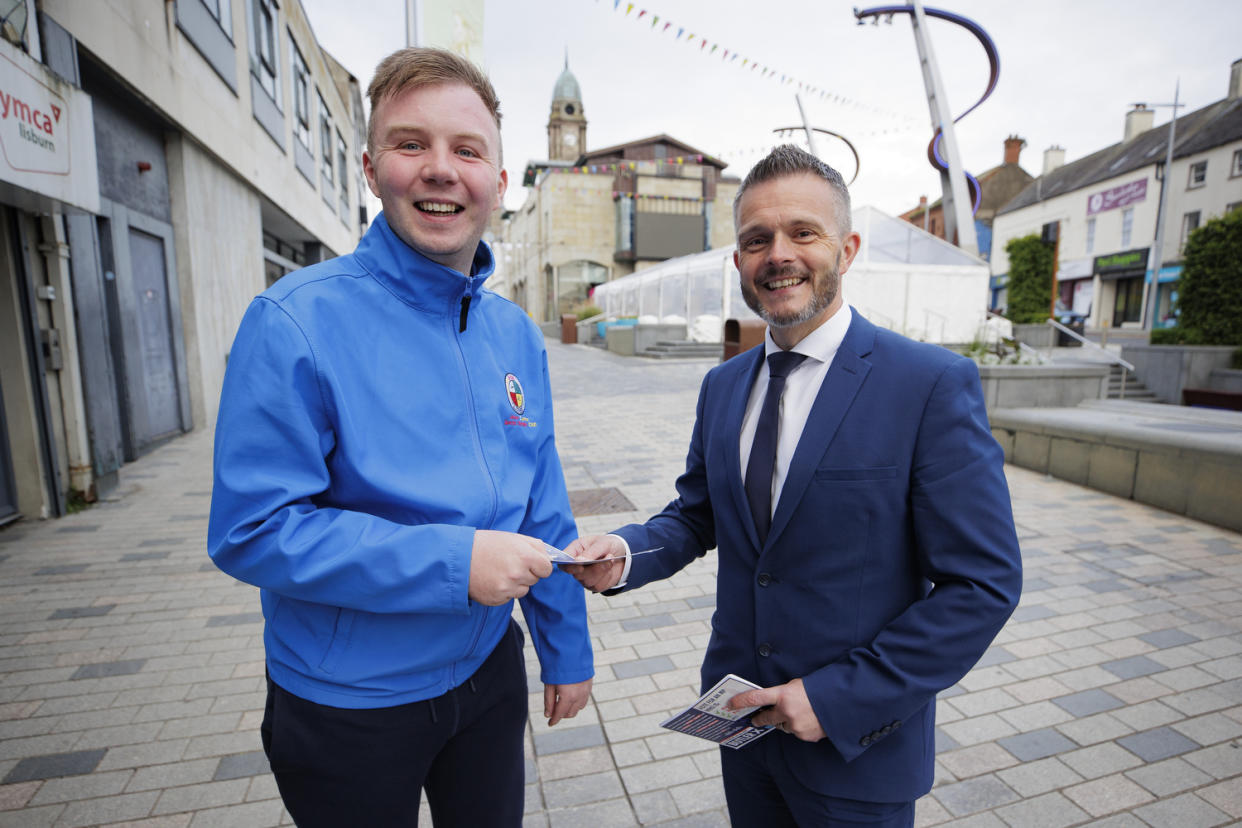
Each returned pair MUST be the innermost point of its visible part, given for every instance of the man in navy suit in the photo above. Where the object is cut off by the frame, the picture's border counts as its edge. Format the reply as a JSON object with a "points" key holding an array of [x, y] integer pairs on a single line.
{"points": [[867, 552]]}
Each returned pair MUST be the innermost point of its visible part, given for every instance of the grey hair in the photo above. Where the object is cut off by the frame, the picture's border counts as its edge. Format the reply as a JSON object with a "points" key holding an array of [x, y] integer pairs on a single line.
{"points": [[787, 160]]}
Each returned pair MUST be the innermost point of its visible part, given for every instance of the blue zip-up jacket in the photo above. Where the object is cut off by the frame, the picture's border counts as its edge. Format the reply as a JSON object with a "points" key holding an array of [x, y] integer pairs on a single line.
{"points": [[377, 409]]}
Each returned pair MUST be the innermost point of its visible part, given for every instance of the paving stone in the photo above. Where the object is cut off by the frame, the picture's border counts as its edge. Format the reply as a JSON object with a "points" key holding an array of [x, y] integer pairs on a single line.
{"points": [[54, 765], [1132, 667], [648, 622], [976, 760], [613, 814], [1185, 811], [108, 669], [654, 807], [1226, 796], [1169, 777], [1088, 702], [1100, 760], [973, 795], [574, 738], [1107, 795], [82, 612], [1051, 810], [641, 667], [1221, 761], [580, 790], [1168, 638], [241, 764], [1036, 744], [1154, 745], [661, 774], [1038, 777]]}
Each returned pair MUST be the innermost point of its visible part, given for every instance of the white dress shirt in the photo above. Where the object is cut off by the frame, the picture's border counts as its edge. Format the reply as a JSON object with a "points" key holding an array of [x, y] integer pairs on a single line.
{"points": [[801, 389]]}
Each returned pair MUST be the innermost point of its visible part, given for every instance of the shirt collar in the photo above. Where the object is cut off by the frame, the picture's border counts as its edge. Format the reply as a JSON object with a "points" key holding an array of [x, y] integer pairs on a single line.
{"points": [[822, 343]]}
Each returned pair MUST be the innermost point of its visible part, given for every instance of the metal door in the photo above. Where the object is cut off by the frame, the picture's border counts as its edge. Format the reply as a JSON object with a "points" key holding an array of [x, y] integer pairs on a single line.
{"points": [[155, 346]]}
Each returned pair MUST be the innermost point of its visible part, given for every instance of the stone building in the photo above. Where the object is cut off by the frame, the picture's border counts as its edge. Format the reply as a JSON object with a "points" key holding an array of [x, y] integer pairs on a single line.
{"points": [[591, 216], [196, 150]]}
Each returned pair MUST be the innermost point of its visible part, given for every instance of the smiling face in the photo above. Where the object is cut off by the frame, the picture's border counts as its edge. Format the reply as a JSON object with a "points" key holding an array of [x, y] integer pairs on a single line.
{"points": [[791, 252], [434, 163]]}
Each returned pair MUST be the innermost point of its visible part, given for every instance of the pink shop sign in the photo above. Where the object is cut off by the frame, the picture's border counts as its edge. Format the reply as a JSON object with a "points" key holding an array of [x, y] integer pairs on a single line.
{"points": [[1117, 197]]}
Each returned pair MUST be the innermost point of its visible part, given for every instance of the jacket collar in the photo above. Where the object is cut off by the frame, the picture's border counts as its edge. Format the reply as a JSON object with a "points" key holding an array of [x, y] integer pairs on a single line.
{"points": [[414, 278]]}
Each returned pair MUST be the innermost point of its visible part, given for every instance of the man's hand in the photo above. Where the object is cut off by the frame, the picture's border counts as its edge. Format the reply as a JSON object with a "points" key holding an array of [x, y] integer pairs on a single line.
{"points": [[563, 701], [790, 709], [601, 576], [504, 565]]}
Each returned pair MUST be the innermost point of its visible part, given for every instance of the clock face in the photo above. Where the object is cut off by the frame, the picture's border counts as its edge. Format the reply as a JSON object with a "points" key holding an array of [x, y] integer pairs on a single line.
{"points": [[569, 109], [570, 139]]}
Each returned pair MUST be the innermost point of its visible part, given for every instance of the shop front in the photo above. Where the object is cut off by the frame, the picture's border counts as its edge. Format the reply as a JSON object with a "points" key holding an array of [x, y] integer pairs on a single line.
{"points": [[1121, 285]]}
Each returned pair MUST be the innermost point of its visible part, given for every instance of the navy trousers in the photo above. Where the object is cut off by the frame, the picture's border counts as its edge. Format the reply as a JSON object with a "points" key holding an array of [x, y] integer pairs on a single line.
{"points": [[337, 766], [762, 793]]}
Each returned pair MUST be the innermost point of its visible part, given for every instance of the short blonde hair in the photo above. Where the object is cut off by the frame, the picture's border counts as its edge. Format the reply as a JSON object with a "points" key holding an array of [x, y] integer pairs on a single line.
{"points": [[414, 67]]}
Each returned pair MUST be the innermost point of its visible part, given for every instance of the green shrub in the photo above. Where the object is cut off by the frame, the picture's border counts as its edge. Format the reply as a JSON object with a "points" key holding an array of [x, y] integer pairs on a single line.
{"points": [[1210, 292], [1030, 280], [587, 311]]}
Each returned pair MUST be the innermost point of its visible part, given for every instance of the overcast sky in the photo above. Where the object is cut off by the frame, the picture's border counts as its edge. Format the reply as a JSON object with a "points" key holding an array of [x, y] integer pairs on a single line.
{"points": [[1069, 71]]}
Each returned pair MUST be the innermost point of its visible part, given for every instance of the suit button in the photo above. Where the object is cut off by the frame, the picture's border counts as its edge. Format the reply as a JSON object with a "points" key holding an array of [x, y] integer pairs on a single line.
{"points": [[896, 724], [765, 649], [887, 729], [764, 579], [864, 741]]}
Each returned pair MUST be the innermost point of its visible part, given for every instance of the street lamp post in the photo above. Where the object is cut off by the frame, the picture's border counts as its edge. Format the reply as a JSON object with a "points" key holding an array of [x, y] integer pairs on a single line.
{"points": [[1151, 279]]}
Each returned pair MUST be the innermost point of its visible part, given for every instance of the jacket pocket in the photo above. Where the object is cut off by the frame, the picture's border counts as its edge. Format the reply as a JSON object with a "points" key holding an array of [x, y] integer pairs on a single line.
{"points": [[340, 639], [857, 474]]}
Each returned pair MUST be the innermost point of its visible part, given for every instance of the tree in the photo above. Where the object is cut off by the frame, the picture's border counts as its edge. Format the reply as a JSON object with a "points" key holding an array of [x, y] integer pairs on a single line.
{"points": [[1030, 280], [1210, 293]]}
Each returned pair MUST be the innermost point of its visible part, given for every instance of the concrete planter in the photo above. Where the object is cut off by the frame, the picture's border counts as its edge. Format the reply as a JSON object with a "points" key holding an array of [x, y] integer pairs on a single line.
{"points": [[1042, 386], [1167, 369], [1225, 379], [629, 340], [1037, 336]]}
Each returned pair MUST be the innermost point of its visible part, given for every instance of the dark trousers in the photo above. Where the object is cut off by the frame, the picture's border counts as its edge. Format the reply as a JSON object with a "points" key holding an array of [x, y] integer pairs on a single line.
{"points": [[762, 793], [337, 767]]}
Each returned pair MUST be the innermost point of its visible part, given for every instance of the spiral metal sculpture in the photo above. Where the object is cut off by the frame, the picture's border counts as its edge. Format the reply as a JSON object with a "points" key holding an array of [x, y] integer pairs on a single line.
{"points": [[933, 147]]}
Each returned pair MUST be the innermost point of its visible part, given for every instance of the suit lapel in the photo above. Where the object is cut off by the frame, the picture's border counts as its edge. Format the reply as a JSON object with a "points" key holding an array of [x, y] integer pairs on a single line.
{"points": [[841, 384], [733, 436]]}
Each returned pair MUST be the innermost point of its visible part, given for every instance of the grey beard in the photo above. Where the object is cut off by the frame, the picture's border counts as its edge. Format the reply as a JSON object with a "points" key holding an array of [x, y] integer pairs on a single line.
{"points": [[820, 299]]}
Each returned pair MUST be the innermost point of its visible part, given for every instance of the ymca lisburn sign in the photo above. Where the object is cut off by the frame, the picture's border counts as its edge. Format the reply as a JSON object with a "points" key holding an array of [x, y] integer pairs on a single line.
{"points": [[47, 142]]}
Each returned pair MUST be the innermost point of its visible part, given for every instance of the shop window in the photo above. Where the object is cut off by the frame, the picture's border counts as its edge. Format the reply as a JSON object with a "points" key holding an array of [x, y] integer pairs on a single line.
{"points": [[1235, 169], [1198, 175], [1127, 227], [1090, 235]]}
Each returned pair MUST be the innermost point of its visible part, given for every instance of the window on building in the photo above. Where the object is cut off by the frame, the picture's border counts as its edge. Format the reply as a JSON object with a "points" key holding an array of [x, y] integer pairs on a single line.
{"points": [[1127, 226], [222, 12], [1198, 174], [1235, 168], [301, 94], [325, 144], [1090, 235], [1229, 208], [264, 64], [1190, 222], [342, 166]]}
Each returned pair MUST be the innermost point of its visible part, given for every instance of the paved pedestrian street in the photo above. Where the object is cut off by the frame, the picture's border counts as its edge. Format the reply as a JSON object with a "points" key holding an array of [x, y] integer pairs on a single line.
{"points": [[131, 671]]}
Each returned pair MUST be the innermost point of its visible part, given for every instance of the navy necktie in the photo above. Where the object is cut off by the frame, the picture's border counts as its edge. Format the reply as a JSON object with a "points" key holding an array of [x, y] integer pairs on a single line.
{"points": [[763, 450]]}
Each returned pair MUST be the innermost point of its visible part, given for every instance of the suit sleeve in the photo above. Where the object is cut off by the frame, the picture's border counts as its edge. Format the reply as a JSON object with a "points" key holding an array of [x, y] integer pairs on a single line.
{"points": [[267, 526], [555, 607], [965, 546], [685, 530]]}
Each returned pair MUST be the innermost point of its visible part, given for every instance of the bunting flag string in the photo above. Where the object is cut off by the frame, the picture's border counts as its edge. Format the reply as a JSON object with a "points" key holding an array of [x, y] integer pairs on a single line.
{"points": [[616, 194], [729, 55]]}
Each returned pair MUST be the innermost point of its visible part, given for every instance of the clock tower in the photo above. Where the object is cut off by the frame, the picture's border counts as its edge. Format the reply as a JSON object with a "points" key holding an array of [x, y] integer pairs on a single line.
{"points": [[567, 122]]}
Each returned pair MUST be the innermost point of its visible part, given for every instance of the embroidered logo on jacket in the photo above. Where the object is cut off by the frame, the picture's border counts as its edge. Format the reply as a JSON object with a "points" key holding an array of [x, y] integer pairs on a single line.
{"points": [[517, 401]]}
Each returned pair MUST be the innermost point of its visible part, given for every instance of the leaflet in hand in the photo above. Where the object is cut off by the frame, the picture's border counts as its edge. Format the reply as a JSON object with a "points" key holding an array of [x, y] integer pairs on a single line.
{"points": [[708, 718], [558, 556]]}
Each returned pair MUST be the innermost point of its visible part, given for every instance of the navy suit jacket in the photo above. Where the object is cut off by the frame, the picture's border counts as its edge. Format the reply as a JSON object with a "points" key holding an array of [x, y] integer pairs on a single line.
{"points": [[891, 563]]}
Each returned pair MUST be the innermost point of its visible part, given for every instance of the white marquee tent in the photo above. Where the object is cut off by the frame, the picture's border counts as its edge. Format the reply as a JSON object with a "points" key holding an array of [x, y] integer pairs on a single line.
{"points": [[903, 279]]}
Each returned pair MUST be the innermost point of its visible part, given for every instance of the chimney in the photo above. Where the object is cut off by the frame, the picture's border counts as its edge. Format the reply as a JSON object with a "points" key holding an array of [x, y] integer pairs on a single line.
{"points": [[1054, 157], [1013, 148], [1138, 121], [922, 201], [1235, 79]]}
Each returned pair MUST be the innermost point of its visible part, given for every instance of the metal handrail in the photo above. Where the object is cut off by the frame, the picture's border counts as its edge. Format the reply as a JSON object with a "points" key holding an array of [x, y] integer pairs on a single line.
{"points": [[1126, 367]]}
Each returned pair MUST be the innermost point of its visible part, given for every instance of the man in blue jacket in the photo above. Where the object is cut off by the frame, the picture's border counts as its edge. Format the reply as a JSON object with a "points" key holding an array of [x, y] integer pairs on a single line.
{"points": [[386, 474], [857, 499]]}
